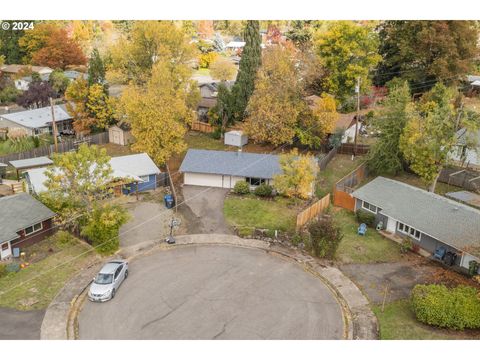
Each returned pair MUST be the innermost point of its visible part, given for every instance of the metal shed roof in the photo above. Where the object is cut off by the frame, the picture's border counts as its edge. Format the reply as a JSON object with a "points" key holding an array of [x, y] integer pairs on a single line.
{"points": [[446, 220], [232, 163], [37, 118], [32, 162]]}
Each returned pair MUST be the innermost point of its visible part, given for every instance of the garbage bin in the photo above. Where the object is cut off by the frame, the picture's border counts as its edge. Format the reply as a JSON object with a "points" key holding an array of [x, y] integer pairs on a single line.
{"points": [[169, 201]]}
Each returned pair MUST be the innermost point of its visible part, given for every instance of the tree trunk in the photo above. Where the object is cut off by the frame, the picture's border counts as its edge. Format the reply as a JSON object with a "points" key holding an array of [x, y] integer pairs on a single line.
{"points": [[433, 185]]}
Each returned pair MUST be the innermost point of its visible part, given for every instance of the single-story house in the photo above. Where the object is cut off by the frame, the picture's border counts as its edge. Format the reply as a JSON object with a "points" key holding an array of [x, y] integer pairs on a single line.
{"points": [[38, 121], [428, 219], [120, 134], [25, 221], [14, 70], [74, 75], [235, 45], [32, 163], [131, 173], [208, 97], [465, 153], [224, 168], [24, 83]]}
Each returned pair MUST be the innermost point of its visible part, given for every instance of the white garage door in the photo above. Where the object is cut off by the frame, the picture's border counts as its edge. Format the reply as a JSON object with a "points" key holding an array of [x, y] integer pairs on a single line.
{"points": [[210, 180]]}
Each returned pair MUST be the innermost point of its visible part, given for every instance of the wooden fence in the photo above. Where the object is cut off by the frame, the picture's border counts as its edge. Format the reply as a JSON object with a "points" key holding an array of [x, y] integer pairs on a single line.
{"points": [[313, 211], [467, 179], [323, 162], [202, 127], [342, 190], [64, 146], [349, 149]]}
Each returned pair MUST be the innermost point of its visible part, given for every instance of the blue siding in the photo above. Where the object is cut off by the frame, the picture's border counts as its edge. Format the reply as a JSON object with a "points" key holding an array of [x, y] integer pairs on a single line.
{"points": [[151, 184]]}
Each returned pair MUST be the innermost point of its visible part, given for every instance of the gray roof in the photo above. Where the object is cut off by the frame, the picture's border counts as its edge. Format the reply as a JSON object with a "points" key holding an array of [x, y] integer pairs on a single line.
{"points": [[37, 118], [33, 162], [448, 221], [18, 212], [233, 163], [136, 164]]}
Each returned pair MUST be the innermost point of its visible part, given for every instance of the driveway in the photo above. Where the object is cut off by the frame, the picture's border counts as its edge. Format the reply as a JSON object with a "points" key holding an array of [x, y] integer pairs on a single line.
{"points": [[20, 325], [149, 222], [215, 292], [203, 210]]}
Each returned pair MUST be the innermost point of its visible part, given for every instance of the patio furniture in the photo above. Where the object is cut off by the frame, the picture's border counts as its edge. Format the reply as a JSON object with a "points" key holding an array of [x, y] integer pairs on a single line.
{"points": [[380, 226], [362, 229], [439, 253]]}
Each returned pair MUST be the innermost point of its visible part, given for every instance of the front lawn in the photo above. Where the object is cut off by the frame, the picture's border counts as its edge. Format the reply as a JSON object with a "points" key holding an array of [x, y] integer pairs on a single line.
{"points": [[251, 212], [356, 248], [52, 263], [398, 322], [340, 166]]}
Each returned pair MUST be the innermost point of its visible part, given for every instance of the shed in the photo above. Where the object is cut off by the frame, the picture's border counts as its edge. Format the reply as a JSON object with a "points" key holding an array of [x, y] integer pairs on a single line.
{"points": [[120, 134], [236, 138], [27, 164]]}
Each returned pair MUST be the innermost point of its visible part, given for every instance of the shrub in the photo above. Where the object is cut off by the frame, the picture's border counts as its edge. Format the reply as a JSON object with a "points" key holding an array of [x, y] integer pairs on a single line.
{"points": [[457, 308], [63, 238], [216, 134], [263, 190], [245, 232], [3, 270], [325, 237], [406, 246], [241, 188], [365, 217]]}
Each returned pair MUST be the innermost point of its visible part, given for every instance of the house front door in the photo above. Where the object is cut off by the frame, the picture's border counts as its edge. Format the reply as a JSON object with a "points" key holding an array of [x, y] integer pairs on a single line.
{"points": [[5, 250]]}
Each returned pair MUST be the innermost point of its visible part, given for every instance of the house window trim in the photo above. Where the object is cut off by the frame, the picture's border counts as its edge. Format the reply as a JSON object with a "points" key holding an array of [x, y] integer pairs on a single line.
{"points": [[368, 209], [262, 181], [407, 232], [33, 229], [145, 178]]}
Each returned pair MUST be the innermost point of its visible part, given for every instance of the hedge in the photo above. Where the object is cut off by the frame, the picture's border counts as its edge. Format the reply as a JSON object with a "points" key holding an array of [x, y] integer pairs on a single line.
{"points": [[241, 188], [263, 190], [457, 308], [365, 217]]}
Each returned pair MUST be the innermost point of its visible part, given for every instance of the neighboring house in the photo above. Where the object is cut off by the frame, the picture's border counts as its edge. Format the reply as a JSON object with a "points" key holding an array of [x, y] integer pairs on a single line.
{"points": [[74, 75], [38, 121], [428, 219], [224, 168], [463, 151], [235, 45], [208, 98], [24, 221], [24, 83], [120, 134], [131, 173], [13, 71]]}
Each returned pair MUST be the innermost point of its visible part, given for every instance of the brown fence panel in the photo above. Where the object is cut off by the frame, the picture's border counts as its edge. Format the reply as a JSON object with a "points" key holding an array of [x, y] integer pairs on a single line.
{"points": [[467, 179], [313, 211], [349, 149], [344, 200], [202, 127], [327, 158], [344, 187]]}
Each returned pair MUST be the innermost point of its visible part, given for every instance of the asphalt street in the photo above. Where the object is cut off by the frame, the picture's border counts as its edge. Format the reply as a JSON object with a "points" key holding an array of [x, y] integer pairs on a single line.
{"points": [[215, 292]]}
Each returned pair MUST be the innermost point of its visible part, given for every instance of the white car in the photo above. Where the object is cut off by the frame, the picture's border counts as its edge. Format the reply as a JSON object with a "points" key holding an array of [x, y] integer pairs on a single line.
{"points": [[108, 280]]}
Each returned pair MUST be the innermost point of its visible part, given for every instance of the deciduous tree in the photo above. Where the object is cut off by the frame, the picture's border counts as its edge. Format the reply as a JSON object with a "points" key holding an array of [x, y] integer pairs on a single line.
{"points": [[348, 51], [38, 95], [249, 64], [276, 104], [59, 82], [160, 111], [299, 174], [222, 69]]}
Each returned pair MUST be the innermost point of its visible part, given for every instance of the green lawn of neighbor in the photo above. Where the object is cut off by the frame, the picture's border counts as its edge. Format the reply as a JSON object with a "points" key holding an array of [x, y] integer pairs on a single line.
{"points": [[52, 264], [249, 211], [370, 248], [397, 322]]}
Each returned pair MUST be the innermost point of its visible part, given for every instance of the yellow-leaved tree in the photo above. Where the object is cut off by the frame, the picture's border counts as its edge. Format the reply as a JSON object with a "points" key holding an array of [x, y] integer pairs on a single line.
{"points": [[299, 174], [160, 111]]}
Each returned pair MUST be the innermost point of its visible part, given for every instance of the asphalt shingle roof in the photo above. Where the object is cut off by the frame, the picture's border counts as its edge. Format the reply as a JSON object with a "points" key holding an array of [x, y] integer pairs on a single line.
{"points": [[37, 118], [232, 163], [18, 212], [446, 220]]}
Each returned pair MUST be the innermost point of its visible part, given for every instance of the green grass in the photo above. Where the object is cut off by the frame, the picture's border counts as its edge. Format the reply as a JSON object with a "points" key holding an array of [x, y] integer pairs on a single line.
{"points": [[397, 322], [202, 72], [117, 150], [415, 180], [35, 286], [277, 214], [198, 140], [340, 166], [370, 248]]}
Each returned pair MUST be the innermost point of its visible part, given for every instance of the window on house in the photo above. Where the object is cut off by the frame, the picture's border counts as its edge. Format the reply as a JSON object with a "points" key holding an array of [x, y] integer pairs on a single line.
{"points": [[369, 207], [5, 246], [34, 228], [144, 178], [255, 181], [408, 230]]}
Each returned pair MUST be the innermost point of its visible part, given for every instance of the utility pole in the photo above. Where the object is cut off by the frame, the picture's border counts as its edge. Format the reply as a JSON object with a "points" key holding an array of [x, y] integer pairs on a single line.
{"points": [[357, 90], [54, 126]]}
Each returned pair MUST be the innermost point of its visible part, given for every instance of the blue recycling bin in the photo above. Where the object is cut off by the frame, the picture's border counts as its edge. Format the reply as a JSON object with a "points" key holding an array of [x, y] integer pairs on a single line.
{"points": [[169, 202]]}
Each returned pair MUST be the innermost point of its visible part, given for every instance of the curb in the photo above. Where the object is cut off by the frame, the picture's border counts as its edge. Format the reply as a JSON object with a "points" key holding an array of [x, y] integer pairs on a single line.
{"points": [[359, 321]]}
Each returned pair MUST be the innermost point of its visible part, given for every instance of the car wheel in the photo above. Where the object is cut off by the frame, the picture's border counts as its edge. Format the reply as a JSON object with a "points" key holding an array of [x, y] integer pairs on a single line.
{"points": [[126, 274], [113, 294]]}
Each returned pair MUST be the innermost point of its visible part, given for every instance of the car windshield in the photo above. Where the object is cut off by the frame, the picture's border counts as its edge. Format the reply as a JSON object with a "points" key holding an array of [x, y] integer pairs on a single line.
{"points": [[104, 279]]}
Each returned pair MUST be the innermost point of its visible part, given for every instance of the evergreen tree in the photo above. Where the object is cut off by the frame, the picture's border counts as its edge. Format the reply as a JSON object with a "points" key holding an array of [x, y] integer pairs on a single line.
{"points": [[96, 69], [250, 62], [9, 46]]}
